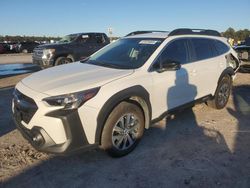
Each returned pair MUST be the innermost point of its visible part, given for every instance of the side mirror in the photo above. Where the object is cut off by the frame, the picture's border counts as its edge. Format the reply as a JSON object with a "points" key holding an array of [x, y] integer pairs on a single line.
{"points": [[169, 65]]}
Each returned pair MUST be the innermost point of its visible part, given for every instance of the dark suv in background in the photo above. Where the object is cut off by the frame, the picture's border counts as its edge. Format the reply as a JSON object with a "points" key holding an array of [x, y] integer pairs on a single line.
{"points": [[244, 55], [70, 48], [25, 47]]}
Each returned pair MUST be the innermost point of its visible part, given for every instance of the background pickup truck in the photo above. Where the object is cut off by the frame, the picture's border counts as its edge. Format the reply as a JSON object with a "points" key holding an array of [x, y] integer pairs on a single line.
{"points": [[70, 48]]}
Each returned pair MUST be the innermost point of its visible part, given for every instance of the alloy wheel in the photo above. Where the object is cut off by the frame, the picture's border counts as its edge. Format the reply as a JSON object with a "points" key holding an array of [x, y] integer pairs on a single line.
{"points": [[125, 132]]}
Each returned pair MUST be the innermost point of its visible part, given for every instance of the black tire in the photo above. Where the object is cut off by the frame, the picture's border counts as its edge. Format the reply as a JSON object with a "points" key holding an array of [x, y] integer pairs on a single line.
{"points": [[62, 60], [222, 93], [118, 141], [71, 57]]}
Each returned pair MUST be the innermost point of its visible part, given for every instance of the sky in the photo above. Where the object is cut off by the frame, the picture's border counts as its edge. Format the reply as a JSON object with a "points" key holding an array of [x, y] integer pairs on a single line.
{"points": [[61, 17]]}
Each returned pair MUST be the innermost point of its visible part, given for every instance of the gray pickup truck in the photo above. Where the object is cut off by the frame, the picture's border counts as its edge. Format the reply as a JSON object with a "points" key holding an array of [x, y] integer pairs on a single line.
{"points": [[70, 48]]}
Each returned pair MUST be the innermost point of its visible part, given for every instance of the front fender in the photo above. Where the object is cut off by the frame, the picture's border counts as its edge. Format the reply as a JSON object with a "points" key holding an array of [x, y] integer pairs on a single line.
{"points": [[126, 94]]}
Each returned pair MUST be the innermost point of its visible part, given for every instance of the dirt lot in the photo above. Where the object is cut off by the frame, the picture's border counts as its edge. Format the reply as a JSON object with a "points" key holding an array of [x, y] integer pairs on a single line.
{"points": [[15, 58], [197, 147]]}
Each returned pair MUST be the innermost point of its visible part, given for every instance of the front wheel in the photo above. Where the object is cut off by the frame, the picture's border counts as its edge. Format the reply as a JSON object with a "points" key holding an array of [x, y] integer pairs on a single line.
{"points": [[62, 60], [222, 93], [123, 129]]}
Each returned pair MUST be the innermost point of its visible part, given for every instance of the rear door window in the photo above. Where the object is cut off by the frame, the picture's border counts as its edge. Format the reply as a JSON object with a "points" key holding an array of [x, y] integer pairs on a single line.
{"points": [[203, 48]]}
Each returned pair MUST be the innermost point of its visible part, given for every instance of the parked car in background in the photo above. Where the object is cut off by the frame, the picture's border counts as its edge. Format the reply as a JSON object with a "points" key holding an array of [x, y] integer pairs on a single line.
{"points": [[70, 48], [4, 48], [12, 47], [26, 47], [244, 55]]}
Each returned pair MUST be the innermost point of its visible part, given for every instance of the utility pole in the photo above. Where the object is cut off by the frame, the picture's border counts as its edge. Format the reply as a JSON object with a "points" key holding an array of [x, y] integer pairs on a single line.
{"points": [[110, 32]]}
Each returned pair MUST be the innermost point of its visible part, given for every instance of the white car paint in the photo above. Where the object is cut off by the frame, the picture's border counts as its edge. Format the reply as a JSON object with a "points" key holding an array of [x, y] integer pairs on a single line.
{"points": [[71, 78], [78, 77]]}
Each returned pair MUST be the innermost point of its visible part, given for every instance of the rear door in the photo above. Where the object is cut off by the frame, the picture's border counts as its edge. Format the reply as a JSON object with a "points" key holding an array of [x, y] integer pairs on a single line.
{"points": [[207, 65]]}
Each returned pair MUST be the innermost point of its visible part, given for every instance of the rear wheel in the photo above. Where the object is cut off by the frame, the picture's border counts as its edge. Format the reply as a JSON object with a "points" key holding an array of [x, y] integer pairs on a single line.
{"points": [[123, 129], [222, 93], [62, 60]]}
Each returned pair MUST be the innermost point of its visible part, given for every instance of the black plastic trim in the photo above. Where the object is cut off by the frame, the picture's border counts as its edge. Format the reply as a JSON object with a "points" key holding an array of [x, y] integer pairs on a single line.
{"points": [[179, 108], [76, 137], [144, 32], [188, 31], [229, 71], [113, 101], [24, 106]]}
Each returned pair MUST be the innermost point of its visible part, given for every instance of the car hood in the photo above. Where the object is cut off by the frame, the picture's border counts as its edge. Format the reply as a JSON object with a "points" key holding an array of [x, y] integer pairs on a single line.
{"points": [[72, 77]]}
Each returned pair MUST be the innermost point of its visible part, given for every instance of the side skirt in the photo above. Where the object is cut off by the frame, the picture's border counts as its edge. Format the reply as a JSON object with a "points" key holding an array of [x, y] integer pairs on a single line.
{"points": [[179, 108]]}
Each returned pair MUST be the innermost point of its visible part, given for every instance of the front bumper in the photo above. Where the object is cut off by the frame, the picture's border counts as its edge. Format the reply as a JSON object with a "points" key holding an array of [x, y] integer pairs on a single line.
{"points": [[40, 138], [44, 63]]}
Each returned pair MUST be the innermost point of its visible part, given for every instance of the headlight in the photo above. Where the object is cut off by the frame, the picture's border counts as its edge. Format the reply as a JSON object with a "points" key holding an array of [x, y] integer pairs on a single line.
{"points": [[47, 53], [72, 100]]}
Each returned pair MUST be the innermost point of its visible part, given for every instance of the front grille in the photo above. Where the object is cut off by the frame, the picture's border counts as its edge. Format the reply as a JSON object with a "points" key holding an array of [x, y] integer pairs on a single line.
{"points": [[37, 53], [24, 107]]}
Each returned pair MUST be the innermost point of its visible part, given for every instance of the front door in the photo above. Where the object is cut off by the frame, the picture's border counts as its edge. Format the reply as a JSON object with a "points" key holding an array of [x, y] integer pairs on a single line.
{"points": [[173, 88]]}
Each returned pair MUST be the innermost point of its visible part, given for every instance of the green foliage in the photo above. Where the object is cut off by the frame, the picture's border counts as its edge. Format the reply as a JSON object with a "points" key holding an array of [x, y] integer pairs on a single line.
{"points": [[23, 38], [239, 35]]}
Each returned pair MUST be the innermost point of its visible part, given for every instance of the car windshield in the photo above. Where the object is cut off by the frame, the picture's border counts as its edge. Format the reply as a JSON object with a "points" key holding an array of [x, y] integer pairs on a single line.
{"points": [[127, 53], [68, 38]]}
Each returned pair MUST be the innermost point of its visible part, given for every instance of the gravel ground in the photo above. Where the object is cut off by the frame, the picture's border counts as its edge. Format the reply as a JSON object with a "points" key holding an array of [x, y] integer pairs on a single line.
{"points": [[197, 147]]}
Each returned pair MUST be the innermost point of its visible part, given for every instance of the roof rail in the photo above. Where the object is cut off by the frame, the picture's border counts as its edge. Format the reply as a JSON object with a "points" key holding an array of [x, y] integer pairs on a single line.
{"points": [[186, 31], [144, 32]]}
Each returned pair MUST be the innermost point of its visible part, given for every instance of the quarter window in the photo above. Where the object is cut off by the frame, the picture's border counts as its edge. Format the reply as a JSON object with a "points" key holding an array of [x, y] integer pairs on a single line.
{"points": [[220, 47]]}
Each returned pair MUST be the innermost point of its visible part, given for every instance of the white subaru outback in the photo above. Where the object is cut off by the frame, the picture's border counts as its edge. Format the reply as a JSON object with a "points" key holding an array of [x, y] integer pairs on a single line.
{"points": [[109, 99]]}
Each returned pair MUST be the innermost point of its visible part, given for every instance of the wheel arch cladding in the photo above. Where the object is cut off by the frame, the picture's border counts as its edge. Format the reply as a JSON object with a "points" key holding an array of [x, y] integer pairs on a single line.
{"points": [[228, 71], [135, 93]]}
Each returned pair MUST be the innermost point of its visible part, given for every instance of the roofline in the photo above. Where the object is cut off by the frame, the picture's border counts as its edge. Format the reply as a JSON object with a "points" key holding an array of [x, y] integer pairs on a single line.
{"points": [[85, 33], [188, 31], [179, 32], [145, 32]]}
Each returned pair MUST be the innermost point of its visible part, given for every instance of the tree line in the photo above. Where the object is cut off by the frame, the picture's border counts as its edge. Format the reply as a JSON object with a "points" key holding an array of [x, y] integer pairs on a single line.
{"points": [[19, 38], [239, 35]]}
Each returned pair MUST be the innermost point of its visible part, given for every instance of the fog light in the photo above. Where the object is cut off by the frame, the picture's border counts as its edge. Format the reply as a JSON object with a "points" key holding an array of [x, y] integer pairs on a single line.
{"points": [[37, 138]]}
